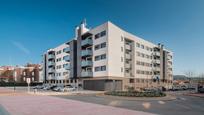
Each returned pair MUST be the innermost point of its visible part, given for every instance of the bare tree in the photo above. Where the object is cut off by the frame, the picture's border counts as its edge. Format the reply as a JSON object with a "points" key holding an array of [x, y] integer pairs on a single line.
{"points": [[189, 74]]}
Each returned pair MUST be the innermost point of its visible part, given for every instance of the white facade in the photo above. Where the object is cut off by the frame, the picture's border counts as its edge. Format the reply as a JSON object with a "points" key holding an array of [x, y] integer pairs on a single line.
{"points": [[107, 53]]}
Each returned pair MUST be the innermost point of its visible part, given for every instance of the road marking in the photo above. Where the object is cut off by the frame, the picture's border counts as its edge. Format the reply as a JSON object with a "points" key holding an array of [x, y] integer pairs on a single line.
{"points": [[161, 102], [114, 103], [183, 98], [146, 105]]}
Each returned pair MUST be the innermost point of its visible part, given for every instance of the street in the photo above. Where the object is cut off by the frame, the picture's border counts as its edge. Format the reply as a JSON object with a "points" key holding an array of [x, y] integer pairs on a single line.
{"points": [[22, 103], [188, 104]]}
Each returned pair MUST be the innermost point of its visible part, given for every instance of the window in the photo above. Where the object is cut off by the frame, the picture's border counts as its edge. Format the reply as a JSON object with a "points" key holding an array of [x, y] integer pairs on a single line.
{"points": [[103, 33], [97, 58], [103, 68], [121, 38], [121, 59], [100, 57], [138, 53], [100, 68], [97, 69], [131, 81], [59, 52], [121, 49], [138, 45], [103, 45], [142, 46], [121, 69], [97, 47], [103, 56], [65, 73], [143, 55], [97, 36]]}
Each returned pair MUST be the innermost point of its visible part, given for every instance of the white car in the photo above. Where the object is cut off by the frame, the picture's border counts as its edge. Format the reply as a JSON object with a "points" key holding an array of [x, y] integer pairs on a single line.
{"points": [[67, 88]]}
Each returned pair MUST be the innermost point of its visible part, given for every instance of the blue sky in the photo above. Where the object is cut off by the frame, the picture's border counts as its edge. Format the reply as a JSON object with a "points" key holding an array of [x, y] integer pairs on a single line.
{"points": [[30, 27]]}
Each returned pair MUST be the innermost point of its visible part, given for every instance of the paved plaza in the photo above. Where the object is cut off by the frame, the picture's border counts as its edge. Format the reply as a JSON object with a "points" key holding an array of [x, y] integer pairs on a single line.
{"points": [[20, 103]]}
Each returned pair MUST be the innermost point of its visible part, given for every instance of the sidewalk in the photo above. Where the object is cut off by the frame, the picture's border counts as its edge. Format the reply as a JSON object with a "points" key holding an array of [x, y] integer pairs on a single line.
{"points": [[25, 104]]}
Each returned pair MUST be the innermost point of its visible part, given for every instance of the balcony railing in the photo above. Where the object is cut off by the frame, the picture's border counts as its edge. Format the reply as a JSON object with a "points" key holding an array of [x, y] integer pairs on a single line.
{"points": [[67, 50], [50, 63], [128, 47], [157, 61], [127, 56], [86, 74], [86, 53], [51, 56], [127, 74], [127, 65], [86, 42], [67, 67], [86, 63], [67, 58], [51, 70], [157, 53], [156, 68]]}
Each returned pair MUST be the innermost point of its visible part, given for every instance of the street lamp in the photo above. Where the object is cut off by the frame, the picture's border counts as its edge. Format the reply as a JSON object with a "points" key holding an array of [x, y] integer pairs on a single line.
{"points": [[14, 80]]}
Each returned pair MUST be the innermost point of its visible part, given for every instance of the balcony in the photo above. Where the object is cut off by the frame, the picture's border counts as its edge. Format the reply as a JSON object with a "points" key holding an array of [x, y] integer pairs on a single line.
{"points": [[156, 68], [127, 47], [67, 67], [157, 53], [51, 77], [127, 65], [86, 74], [51, 56], [51, 63], [66, 58], [157, 61], [86, 53], [86, 42], [67, 50], [127, 56], [86, 63], [127, 74], [51, 70]]}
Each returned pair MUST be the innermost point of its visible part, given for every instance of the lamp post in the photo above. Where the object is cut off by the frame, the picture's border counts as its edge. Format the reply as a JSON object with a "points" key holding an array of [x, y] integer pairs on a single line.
{"points": [[14, 80]]}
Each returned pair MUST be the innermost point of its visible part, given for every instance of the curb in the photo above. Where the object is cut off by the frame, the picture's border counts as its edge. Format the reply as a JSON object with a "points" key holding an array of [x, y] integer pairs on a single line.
{"points": [[166, 98], [195, 95]]}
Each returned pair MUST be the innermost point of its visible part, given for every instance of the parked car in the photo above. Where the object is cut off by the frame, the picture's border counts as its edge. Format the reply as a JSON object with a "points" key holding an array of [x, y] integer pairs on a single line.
{"points": [[68, 88], [38, 87], [183, 87], [201, 90], [57, 88]]}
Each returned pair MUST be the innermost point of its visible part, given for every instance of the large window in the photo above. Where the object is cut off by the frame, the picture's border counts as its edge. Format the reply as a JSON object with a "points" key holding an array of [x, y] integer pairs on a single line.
{"points": [[100, 68], [99, 46], [101, 34], [100, 57], [103, 45], [97, 58]]}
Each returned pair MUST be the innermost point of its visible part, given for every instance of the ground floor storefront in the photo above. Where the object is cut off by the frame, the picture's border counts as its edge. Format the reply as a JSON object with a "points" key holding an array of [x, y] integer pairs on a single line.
{"points": [[117, 83]]}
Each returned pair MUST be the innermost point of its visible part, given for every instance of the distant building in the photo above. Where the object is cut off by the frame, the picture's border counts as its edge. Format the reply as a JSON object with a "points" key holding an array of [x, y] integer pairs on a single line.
{"points": [[20, 73]]}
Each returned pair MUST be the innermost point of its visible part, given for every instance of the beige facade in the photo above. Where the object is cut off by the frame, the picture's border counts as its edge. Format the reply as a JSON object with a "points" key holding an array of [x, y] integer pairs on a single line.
{"points": [[109, 58], [133, 61]]}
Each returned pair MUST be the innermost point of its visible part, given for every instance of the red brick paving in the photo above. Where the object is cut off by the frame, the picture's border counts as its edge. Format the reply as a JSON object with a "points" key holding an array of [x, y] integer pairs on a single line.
{"points": [[24, 104]]}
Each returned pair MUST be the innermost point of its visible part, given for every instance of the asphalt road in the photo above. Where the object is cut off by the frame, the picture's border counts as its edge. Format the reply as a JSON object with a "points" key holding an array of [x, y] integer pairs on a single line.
{"points": [[182, 105]]}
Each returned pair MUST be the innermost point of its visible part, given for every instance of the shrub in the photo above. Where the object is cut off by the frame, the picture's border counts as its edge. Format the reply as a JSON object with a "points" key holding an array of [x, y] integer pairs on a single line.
{"points": [[136, 94]]}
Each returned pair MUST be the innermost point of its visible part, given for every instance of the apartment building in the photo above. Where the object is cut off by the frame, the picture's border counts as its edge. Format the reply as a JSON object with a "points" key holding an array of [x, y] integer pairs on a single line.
{"points": [[59, 64], [109, 58], [19, 74]]}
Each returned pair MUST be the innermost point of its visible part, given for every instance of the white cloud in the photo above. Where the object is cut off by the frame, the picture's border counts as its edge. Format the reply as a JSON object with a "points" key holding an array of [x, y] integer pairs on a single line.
{"points": [[21, 47]]}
